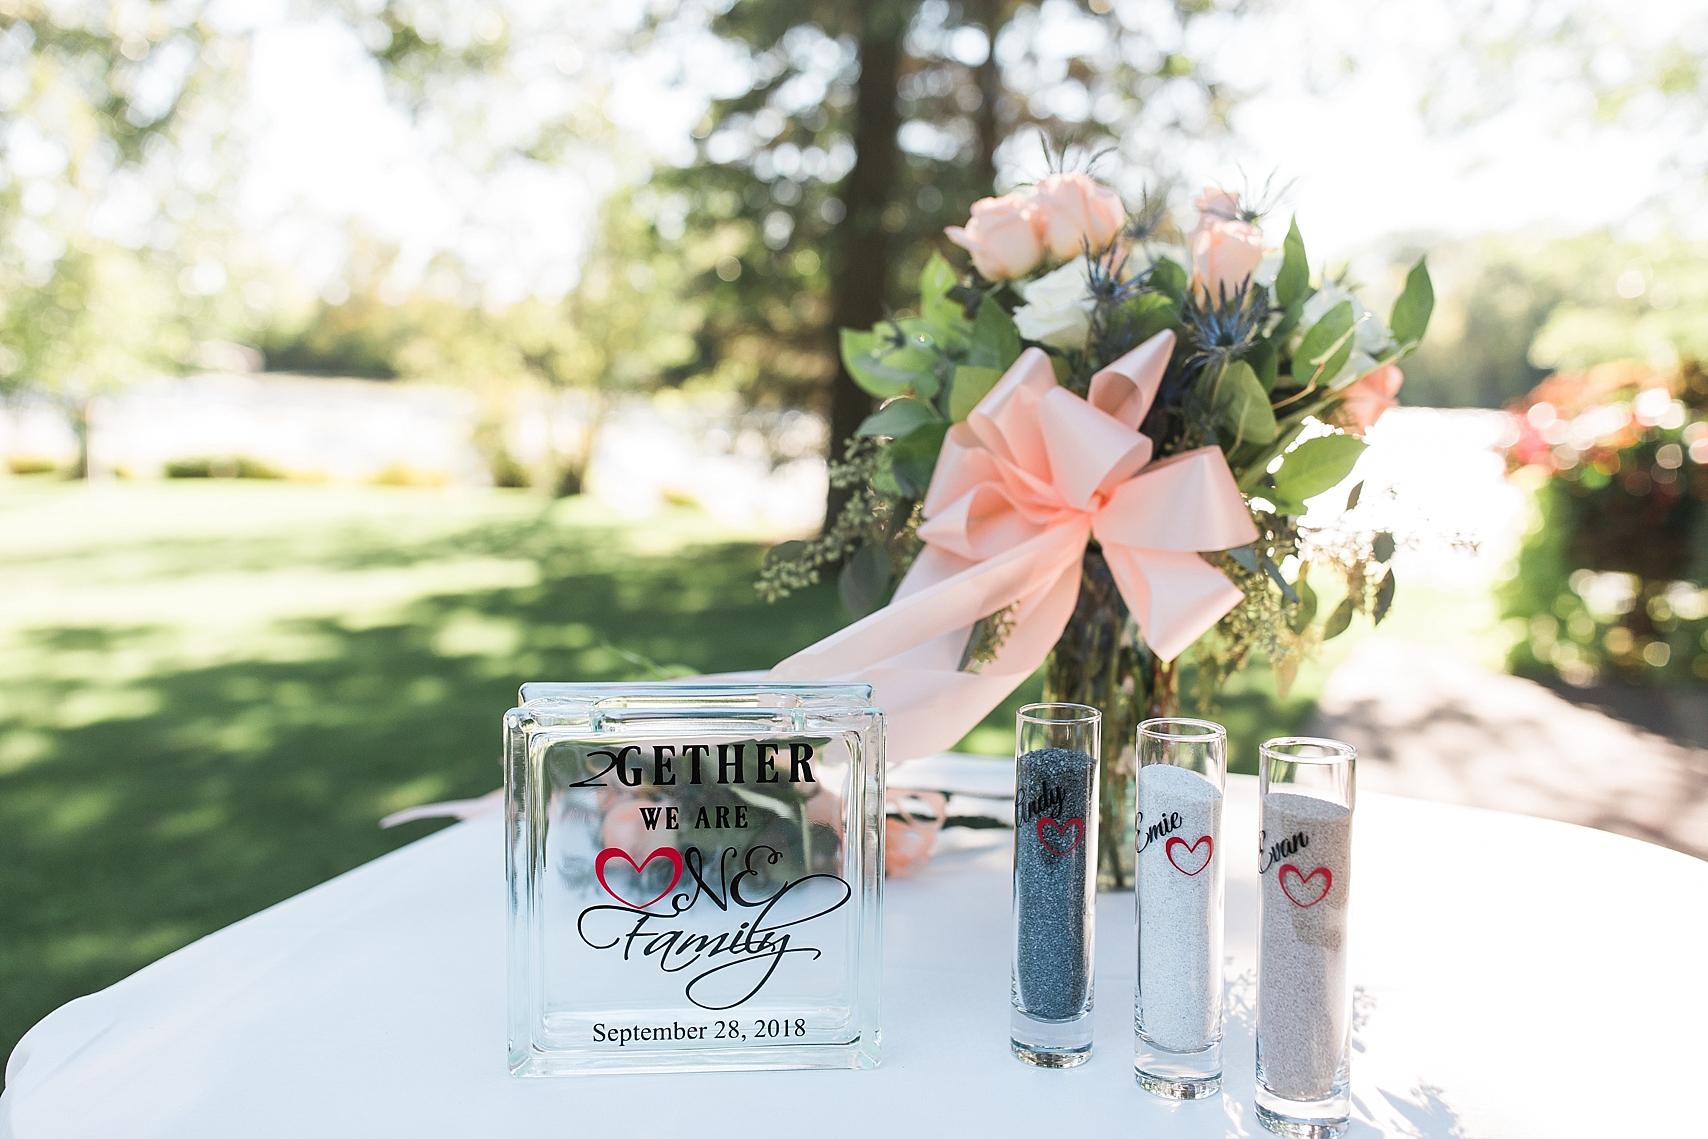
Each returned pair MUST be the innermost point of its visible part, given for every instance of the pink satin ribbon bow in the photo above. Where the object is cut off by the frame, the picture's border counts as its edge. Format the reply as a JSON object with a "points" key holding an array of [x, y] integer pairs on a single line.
{"points": [[1020, 487]]}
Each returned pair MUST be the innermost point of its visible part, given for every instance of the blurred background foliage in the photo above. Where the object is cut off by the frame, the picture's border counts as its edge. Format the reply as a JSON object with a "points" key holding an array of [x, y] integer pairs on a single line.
{"points": [[840, 138], [1514, 308], [811, 200], [1612, 577]]}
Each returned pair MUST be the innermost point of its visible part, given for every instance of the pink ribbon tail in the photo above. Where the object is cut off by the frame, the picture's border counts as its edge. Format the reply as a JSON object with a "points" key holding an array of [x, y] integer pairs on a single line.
{"points": [[910, 650]]}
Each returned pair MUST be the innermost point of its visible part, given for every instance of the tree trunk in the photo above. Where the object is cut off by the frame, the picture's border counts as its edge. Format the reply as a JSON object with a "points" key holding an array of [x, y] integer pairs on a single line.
{"points": [[991, 14], [863, 242], [78, 413]]}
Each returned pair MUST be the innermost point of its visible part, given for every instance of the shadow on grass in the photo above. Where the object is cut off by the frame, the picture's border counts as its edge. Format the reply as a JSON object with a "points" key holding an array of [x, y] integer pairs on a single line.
{"points": [[199, 795]]}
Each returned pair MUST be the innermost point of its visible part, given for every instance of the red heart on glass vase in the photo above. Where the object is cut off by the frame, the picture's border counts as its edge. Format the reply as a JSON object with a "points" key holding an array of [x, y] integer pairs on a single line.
{"points": [[1052, 842], [1185, 857], [1305, 890], [669, 854]]}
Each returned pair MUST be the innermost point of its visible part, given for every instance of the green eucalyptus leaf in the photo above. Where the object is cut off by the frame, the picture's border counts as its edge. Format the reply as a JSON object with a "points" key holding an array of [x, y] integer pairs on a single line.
{"points": [[1336, 364], [1293, 282], [865, 580], [1243, 405], [1307, 610], [995, 342], [1152, 313], [1383, 546], [1316, 465], [1338, 620], [879, 367], [913, 458], [1170, 278], [1384, 598], [1328, 340], [927, 384], [1410, 317], [1265, 360], [971, 385], [935, 283], [897, 418], [1290, 317], [937, 336]]}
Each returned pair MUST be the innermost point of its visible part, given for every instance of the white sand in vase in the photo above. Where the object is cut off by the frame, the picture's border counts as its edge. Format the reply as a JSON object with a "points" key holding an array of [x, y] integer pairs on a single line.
{"points": [[1179, 899], [1303, 1013]]}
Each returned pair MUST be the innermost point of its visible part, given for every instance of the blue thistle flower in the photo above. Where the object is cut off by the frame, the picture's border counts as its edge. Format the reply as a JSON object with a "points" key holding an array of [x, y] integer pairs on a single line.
{"points": [[1223, 328]]}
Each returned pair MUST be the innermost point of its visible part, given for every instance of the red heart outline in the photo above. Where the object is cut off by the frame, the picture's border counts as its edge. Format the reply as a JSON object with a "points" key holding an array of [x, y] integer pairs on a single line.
{"points": [[668, 853], [1328, 883], [1190, 847], [1077, 825]]}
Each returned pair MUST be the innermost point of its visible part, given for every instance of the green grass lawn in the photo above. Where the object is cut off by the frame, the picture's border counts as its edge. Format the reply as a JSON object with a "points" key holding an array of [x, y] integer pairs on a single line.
{"points": [[210, 691]]}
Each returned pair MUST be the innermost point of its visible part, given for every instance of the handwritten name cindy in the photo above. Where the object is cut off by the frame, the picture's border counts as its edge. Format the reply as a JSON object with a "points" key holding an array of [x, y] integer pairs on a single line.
{"points": [[1046, 802]]}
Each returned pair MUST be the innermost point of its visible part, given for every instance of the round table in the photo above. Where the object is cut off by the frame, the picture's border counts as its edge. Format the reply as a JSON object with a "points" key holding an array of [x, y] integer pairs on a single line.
{"points": [[1514, 977]]}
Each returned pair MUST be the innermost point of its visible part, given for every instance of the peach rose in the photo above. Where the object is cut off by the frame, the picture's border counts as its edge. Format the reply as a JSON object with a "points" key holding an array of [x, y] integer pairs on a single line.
{"points": [[1001, 237], [1226, 249], [1369, 396], [1071, 210]]}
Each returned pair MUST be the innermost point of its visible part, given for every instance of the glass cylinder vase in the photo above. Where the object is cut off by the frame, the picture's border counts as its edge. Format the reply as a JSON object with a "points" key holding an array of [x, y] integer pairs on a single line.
{"points": [[1102, 661], [1307, 793], [1055, 911]]}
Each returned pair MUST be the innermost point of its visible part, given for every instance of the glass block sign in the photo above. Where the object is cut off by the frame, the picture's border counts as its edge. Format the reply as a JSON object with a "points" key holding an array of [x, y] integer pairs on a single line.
{"points": [[695, 874]]}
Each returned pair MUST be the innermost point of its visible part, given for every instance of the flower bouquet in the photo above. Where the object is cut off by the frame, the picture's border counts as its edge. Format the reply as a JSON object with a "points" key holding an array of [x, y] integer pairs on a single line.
{"points": [[1094, 450]]}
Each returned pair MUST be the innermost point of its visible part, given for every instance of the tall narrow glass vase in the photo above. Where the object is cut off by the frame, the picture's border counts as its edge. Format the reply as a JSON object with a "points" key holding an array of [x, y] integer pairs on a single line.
{"points": [[1101, 660]]}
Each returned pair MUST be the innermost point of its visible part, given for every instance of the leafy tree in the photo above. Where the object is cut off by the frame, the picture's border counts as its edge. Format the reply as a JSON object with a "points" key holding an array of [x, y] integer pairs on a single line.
{"points": [[111, 111], [813, 198], [865, 127]]}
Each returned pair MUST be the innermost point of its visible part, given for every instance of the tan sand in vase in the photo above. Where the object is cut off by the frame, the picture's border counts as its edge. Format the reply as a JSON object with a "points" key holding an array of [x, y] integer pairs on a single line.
{"points": [[1303, 1005]]}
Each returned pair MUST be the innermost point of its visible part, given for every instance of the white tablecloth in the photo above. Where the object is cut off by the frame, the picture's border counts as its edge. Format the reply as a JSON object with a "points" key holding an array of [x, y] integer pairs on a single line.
{"points": [[1516, 977]]}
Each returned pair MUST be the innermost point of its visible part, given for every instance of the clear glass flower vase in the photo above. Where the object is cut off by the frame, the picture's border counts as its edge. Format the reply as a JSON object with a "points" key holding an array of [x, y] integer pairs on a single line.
{"points": [[1102, 661]]}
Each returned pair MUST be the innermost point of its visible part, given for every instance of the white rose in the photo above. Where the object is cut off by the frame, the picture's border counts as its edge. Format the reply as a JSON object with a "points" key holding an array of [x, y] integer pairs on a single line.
{"points": [[1058, 307], [1372, 335]]}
